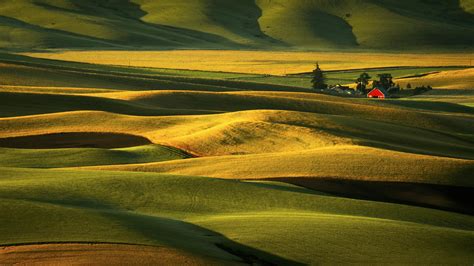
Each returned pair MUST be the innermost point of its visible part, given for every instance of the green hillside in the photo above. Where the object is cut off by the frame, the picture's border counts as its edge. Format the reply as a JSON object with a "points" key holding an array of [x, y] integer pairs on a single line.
{"points": [[233, 166], [309, 24], [52, 158], [277, 223]]}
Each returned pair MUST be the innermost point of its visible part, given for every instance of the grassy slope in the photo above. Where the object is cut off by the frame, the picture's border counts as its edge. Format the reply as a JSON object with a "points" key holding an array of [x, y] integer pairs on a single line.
{"points": [[467, 5], [127, 208], [28, 72], [55, 158], [114, 25], [381, 24], [347, 76], [260, 62], [376, 24], [351, 163], [150, 208], [248, 132], [451, 86], [234, 21], [306, 24], [455, 79]]}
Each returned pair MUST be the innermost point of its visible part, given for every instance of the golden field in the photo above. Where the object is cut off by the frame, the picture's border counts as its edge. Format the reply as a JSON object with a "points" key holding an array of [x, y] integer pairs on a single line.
{"points": [[157, 132], [258, 62], [171, 161]]}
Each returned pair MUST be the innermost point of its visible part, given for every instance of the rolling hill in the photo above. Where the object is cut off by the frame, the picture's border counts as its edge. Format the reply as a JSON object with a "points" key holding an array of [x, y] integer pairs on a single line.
{"points": [[208, 217], [310, 24], [206, 157]]}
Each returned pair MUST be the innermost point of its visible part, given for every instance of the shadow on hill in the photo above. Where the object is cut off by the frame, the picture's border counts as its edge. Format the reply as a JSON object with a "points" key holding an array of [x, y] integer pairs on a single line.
{"points": [[22, 104], [124, 8], [446, 23], [448, 92], [167, 232], [307, 24], [75, 140], [431, 105], [54, 38], [443, 197], [340, 35], [447, 10], [132, 32], [244, 23], [119, 9], [27, 71], [190, 237]]}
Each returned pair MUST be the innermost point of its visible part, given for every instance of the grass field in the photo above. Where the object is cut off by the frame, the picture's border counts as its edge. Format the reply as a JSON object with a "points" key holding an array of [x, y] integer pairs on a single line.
{"points": [[145, 162], [264, 24], [258, 62], [124, 207], [187, 133]]}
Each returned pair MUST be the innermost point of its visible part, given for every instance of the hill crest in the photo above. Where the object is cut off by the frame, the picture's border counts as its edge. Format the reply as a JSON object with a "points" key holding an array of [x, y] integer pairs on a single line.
{"points": [[224, 24]]}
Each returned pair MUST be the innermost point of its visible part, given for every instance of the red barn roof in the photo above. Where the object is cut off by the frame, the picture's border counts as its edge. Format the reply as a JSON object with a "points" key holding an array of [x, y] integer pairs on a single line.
{"points": [[377, 93]]}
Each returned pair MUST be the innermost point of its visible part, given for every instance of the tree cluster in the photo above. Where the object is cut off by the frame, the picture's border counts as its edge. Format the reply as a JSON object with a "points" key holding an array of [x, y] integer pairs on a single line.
{"points": [[422, 89], [384, 81], [363, 81]]}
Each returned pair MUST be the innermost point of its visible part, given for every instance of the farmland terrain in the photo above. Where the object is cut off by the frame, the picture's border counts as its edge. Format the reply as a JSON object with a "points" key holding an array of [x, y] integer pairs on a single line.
{"points": [[225, 167], [187, 133], [255, 24]]}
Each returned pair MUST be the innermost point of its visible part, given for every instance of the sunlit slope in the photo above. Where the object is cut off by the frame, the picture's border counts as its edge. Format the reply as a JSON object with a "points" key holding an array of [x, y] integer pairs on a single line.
{"points": [[262, 62], [250, 132], [236, 21], [116, 24], [281, 100], [454, 79], [340, 162], [381, 24], [306, 23], [376, 24], [140, 208], [17, 34], [315, 239], [23, 73], [455, 86], [467, 5]]}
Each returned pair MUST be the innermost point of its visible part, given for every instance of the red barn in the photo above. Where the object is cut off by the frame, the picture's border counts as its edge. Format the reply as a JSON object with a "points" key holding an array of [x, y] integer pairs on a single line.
{"points": [[377, 93]]}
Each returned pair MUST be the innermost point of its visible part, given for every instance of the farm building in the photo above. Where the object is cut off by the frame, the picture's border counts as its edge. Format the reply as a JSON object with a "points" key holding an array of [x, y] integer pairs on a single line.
{"points": [[377, 93]]}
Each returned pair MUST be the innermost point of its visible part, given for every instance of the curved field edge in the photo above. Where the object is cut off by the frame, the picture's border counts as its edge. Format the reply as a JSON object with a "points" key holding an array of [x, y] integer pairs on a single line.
{"points": [[69, 209], [333, 162], [247, 63], [273, 131], [99, 253], [57, 158]]}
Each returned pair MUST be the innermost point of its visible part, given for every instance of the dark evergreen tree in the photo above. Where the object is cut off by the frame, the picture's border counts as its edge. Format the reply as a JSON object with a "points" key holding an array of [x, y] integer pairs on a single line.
{"points": [[375, 84], [319, 80], [386, 81], [363, 81]]}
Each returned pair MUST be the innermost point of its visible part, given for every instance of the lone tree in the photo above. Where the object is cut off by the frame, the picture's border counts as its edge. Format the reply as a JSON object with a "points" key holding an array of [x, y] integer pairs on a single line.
{"points": [[386, 81], [319, 80], [363, 81]]}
